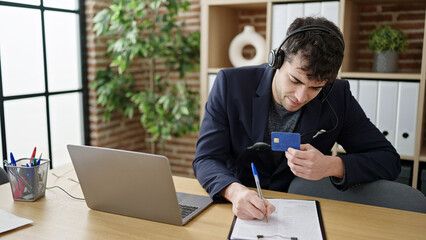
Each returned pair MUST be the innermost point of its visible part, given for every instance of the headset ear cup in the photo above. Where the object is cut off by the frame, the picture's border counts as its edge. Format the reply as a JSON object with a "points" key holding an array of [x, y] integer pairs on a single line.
{"points": [[279, 59], [271, 57], [275, 58]]}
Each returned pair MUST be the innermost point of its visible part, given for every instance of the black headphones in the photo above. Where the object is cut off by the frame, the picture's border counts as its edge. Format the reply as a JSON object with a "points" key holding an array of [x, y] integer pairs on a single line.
{"points": [[276, 56]]}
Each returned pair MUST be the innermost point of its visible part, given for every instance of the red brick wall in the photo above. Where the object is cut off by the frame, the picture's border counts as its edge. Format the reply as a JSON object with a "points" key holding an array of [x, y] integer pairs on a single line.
{"points": [[410, 18], [128, 134], [118, 133]]}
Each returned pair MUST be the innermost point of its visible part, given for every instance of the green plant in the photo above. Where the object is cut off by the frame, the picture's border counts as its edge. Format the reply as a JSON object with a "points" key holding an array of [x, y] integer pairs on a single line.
{"points": [[387, 38], [150, 30]]}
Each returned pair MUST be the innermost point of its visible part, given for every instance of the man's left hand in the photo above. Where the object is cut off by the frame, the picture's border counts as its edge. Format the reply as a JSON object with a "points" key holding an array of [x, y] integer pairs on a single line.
{"points": [[311, 164]]}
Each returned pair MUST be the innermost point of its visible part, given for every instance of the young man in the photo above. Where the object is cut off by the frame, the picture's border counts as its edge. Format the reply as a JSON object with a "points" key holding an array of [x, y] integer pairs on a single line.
{"points": [[299, 93]]}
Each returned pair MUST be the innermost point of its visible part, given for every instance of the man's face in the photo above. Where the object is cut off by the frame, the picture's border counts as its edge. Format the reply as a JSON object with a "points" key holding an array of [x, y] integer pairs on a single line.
{"points": [[291, 87]]}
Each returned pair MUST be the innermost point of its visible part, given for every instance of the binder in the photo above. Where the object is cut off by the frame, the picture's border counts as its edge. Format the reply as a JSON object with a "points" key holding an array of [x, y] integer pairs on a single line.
{"points": [[312, 9], [212, 78], [354, 85], [278, 24], [367, 94], [330, 10], [386, 110], [406, 117], [294, 10]]}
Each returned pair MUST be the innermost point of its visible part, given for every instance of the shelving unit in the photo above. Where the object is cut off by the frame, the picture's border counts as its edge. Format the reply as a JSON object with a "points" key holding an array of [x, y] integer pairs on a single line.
{"points": [[220, 23]]}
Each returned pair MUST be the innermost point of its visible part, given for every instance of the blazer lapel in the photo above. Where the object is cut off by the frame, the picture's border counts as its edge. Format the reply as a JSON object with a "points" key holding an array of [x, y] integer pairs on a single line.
{"points": [[260, 106]]}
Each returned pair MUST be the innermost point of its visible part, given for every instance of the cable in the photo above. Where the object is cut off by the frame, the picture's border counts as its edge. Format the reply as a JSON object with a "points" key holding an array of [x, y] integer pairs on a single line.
{"points": [[319, 132], [66, 192]]}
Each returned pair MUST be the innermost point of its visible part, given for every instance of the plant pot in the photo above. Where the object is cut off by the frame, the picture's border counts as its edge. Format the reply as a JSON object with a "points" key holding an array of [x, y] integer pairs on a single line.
{"points": [[385, 62]]}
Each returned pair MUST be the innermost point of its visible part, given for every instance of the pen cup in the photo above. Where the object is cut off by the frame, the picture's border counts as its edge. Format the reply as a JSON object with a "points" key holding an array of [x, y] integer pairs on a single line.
{"points": [[28, 183]]}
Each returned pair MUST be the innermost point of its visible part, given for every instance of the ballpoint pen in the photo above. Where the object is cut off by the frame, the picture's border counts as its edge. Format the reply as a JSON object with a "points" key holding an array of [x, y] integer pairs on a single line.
{"points": [[12, 159], [39, 159], [256, 179]]}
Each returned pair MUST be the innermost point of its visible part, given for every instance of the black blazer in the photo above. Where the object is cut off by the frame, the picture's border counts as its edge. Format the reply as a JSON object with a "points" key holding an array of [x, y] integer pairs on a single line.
{"points": [[236, 116]]}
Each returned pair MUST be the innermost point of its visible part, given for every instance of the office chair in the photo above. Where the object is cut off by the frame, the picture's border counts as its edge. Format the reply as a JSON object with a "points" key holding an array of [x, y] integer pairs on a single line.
{"points": [[3, 176], [382, 193]]}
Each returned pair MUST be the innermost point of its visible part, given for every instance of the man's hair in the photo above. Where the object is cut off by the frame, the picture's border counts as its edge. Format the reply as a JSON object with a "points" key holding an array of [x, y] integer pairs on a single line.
{"points": [[320, 51]]}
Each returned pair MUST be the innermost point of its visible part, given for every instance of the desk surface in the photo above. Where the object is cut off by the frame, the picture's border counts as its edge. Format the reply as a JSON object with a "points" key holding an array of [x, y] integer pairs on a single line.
{"points": [[57, 216]]}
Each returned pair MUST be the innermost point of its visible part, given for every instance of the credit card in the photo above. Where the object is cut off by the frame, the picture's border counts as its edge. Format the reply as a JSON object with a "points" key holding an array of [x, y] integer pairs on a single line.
{"points": [[281, 141]]}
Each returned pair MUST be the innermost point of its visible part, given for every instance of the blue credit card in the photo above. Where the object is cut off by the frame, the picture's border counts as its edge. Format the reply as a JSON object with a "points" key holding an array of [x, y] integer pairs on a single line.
{"points": [[281, 141]]}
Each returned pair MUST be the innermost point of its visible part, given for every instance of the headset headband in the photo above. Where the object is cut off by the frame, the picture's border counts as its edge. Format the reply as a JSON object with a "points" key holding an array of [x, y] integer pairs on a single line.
{"points": [[312, 27], [276, 56]]}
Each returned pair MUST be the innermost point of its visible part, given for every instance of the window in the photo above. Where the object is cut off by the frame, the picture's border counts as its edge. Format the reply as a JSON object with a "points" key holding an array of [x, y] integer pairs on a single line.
{"points": [[43, 88]]}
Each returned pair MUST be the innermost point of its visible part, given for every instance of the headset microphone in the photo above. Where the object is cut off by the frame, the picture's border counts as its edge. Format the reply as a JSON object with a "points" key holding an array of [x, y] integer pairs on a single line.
{"points": [[259, 147]]}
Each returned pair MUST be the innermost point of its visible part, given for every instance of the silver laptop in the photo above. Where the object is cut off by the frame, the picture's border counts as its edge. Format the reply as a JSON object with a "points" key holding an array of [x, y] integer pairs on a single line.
{"points": [[133, 184]]}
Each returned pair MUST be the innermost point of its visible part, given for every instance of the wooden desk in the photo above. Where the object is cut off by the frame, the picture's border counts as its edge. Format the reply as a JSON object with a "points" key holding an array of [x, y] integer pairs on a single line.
{"points": [[57, 216]]}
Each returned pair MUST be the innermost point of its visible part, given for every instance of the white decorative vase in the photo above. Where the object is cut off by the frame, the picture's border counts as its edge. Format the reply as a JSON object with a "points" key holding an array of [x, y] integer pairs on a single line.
{"points": [[245, 38]]}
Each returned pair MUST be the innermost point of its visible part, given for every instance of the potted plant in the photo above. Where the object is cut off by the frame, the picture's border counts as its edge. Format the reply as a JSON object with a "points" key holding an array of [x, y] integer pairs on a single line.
{"points": [[386, 42], [153, 31]]}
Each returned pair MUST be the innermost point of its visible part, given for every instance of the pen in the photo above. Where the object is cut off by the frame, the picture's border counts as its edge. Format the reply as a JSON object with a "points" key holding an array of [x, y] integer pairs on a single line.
{"points": [[256, 179], [38, 161], [12, 159], [33, 155]]}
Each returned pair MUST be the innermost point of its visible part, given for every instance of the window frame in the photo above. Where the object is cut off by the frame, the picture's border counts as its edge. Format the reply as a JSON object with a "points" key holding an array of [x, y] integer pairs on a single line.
{"points": [[46, 94]]}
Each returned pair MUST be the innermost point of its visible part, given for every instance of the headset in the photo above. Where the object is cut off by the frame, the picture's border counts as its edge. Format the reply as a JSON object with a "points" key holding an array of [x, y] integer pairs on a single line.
{"points": [[276, 56]]}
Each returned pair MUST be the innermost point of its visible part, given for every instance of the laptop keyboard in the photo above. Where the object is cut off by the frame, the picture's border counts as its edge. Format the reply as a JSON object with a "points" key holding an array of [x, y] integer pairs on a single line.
{"points": [[185, 210]]}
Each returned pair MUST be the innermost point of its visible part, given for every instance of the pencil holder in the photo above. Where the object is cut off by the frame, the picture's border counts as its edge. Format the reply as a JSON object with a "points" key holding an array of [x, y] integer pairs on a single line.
{"points": [[28, 183]]}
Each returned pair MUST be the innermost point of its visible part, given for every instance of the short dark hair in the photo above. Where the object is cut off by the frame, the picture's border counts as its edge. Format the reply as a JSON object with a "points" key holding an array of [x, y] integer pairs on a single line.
{"points": [[322, 51]]}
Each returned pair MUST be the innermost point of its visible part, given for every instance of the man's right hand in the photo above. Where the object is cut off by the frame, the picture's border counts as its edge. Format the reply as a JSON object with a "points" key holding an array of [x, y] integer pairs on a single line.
{"points": [[246, 203]]}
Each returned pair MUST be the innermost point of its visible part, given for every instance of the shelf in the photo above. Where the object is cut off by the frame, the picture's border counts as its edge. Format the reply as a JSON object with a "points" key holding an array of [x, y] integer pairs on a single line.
{"points": [[225, 22], [251, 4], [404, 157], [340, 150], [423, 154], [390, 76], [213, 70]]}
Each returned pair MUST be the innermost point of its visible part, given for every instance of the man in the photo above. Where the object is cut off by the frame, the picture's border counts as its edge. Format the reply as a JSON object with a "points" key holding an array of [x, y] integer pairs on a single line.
{"points": [[300, 95]]}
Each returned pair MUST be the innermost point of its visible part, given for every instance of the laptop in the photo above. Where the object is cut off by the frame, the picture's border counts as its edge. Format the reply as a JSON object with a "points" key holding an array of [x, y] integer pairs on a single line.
{"points": [[133, 184]]}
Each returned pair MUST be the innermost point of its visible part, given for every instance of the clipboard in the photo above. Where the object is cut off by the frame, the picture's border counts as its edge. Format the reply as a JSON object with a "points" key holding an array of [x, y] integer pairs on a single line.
{"points": [[311, 208]]}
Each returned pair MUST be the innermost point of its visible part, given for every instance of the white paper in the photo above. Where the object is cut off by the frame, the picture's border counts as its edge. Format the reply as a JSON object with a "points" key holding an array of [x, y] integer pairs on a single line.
{"points": [[292, 218], [9, 221]]}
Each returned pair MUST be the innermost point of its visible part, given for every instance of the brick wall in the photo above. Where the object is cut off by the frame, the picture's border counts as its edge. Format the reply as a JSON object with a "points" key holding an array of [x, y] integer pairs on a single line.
{"points": [[128, 134], [410, 18], [118, 133]]}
